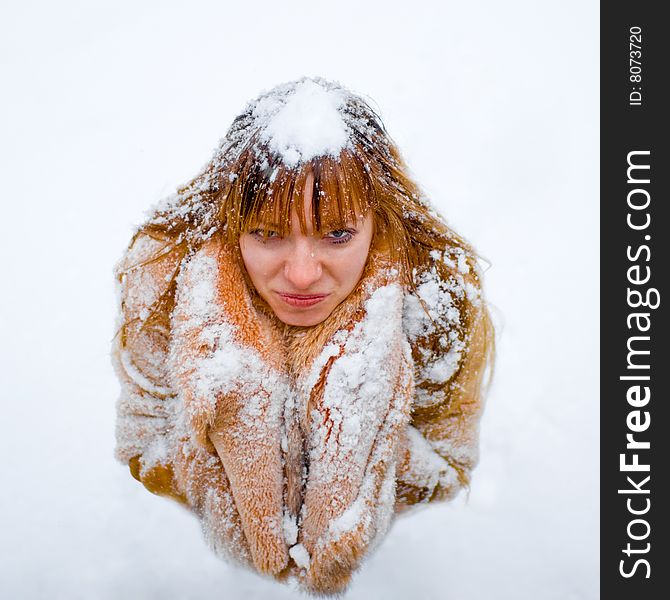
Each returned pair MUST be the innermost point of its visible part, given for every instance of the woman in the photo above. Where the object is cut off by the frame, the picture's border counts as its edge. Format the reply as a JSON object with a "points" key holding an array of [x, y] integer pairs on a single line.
{"points": [[302, 341]]}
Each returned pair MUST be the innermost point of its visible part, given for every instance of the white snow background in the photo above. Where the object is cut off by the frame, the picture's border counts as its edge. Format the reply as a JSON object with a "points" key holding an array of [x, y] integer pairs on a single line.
{"points": [[107, 106]]}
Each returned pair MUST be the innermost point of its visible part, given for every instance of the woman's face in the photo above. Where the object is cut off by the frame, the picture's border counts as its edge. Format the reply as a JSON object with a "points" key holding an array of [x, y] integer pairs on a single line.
{"points": [[304, 276]]}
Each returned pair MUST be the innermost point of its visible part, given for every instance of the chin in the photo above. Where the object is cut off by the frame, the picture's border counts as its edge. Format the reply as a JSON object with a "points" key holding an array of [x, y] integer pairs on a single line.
{"points": [[302, 320]]}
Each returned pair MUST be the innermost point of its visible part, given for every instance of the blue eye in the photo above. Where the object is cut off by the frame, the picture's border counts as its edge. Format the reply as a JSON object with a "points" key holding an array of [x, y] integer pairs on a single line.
{"points": [[341, 236]]}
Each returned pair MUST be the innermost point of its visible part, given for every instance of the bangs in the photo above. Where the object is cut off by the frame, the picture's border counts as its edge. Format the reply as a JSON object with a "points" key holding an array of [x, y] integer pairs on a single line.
{"points": [[265, 191]]}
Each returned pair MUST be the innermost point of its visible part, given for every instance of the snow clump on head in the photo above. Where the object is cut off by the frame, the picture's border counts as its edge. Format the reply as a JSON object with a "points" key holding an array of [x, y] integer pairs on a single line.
{"points": [[304, 123], [302, 120]]}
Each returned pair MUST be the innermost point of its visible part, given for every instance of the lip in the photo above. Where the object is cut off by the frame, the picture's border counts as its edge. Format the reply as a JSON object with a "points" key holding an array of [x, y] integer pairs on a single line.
{"points": [[302, 300]]}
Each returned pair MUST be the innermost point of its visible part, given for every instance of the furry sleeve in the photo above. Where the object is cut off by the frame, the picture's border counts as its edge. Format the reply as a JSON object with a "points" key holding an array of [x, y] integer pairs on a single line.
{"points": [[139, 353], [359, 390], [225, 359], [449, 328], [153, 435]]}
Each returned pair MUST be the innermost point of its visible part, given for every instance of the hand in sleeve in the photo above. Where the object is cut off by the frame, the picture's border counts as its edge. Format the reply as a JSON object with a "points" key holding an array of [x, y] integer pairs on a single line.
{"points": [[224, 360], [151, 437], [361, 386]]}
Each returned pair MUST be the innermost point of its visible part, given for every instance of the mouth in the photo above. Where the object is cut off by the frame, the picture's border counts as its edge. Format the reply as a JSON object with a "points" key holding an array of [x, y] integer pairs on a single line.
{"points": [[302, 300]]}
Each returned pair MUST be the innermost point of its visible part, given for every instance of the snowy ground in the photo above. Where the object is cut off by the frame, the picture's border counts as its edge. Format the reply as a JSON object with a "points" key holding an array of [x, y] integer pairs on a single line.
{"points": [[107, 106]]}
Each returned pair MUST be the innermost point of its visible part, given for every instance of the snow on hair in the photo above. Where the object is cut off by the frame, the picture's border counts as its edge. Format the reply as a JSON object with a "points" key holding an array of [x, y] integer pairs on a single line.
{"points": [[259, 169]]}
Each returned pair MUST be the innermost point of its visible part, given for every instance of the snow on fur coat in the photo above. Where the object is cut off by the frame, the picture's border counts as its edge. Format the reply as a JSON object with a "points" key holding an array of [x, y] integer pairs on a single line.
{"points": [[297, 446]]}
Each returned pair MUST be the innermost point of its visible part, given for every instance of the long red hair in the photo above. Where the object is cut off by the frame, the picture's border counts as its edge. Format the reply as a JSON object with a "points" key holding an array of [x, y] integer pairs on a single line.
{"points": [[245, 176]]}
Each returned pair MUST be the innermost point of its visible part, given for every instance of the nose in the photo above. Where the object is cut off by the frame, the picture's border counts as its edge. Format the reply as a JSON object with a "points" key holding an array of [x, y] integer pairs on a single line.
{"points": [[302, 268]]}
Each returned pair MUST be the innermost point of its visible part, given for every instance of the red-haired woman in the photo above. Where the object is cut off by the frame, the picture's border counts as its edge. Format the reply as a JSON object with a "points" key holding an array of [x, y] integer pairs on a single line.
{"points": [[302, 341]]}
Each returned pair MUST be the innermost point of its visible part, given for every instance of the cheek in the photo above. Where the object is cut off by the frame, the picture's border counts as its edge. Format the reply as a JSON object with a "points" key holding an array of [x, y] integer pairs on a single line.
{"points": [[255, 261], [350, 265]]}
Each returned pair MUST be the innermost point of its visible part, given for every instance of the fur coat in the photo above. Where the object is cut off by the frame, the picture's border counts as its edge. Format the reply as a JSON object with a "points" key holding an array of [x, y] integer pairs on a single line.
{"points": [[296, 447]]}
